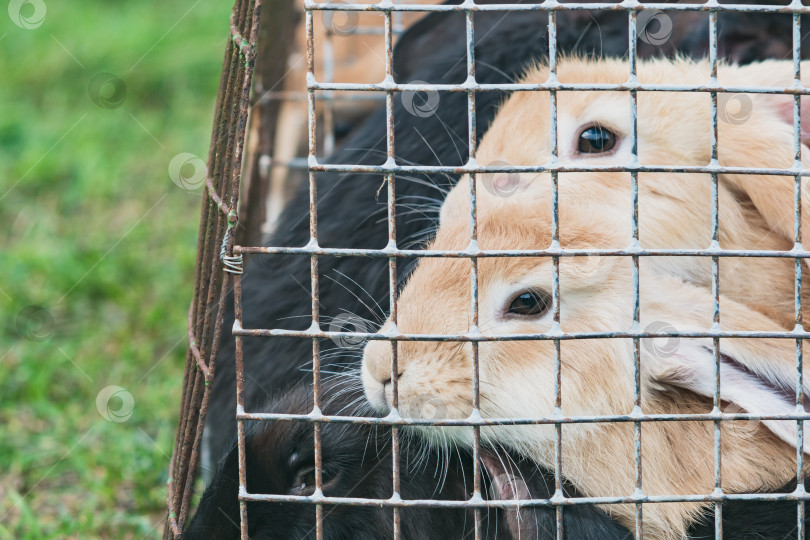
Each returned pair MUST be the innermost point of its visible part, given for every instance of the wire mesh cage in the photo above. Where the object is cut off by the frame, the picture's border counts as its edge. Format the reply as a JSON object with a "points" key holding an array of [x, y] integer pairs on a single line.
{"points": [[379, 94]]}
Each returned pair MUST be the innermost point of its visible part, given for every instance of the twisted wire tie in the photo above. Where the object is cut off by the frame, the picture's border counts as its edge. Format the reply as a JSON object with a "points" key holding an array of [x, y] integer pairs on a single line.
{"points": [[233, 263]]}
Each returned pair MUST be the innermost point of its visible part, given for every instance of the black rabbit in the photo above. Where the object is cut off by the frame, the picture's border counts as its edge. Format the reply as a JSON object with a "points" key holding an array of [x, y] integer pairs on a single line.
{"points": [[357, 462]]}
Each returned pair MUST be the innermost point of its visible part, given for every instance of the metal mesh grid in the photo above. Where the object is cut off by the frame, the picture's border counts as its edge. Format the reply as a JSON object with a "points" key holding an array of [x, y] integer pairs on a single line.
{"points": [[278, 163], [393, 254], [390, 168]]}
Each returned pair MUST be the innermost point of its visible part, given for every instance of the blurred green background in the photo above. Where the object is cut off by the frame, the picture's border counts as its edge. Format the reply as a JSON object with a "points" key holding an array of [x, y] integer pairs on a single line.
{"points": [[97, 254]]}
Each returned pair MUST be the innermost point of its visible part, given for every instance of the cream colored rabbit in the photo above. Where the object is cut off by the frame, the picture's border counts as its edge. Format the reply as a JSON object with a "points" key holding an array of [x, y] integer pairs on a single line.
{"points": [[596, 293]]}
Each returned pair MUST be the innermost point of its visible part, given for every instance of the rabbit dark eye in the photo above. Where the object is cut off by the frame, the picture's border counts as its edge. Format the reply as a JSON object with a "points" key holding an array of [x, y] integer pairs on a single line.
{"points": [[530, 304], [305, 479], [596, 140]]}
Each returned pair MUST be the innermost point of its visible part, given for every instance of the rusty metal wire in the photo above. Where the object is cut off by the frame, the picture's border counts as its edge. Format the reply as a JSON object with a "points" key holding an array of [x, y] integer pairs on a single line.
{"points": [[217, 221], [205, 317]]}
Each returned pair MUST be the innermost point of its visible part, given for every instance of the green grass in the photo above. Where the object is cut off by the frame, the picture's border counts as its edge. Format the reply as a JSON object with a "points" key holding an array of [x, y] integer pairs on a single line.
{"points": [[95, 232]]}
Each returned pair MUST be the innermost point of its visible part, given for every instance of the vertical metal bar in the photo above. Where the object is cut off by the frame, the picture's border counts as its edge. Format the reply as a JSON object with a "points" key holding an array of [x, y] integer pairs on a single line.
{"points": [[715, 211], [797, 265], [637, 456], [240, 404], [328, 76], [392, 263], [555, 272], [314, 284], [471, 148]]}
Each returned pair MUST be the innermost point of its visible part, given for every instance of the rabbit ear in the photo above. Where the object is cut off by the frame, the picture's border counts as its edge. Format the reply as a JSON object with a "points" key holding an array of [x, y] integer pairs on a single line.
{"points": [[745, 380], [756, 374], [769, 73], [756, 130], [507, 483]]}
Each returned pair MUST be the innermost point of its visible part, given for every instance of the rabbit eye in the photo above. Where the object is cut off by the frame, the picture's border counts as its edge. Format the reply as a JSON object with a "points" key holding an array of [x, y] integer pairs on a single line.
{"points": [[530, 304], [596, 140], [304, 481]]}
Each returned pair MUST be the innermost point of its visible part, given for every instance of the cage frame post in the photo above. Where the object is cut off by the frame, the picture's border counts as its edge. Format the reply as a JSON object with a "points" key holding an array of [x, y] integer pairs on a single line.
{"points": [[218, 219]]}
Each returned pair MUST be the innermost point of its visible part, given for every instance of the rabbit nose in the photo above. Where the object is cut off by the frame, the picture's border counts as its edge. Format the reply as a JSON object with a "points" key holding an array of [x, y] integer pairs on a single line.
{"points": [[377, 360]]}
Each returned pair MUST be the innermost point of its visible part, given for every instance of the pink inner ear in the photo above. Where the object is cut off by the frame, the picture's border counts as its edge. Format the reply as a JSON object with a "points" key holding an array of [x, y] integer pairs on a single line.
{"points": [[784, 110], [507, 484], [755, 391]]}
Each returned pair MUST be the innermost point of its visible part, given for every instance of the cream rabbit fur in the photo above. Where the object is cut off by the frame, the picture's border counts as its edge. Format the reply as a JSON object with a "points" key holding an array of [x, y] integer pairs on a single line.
{"points": [[596, 293]]}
